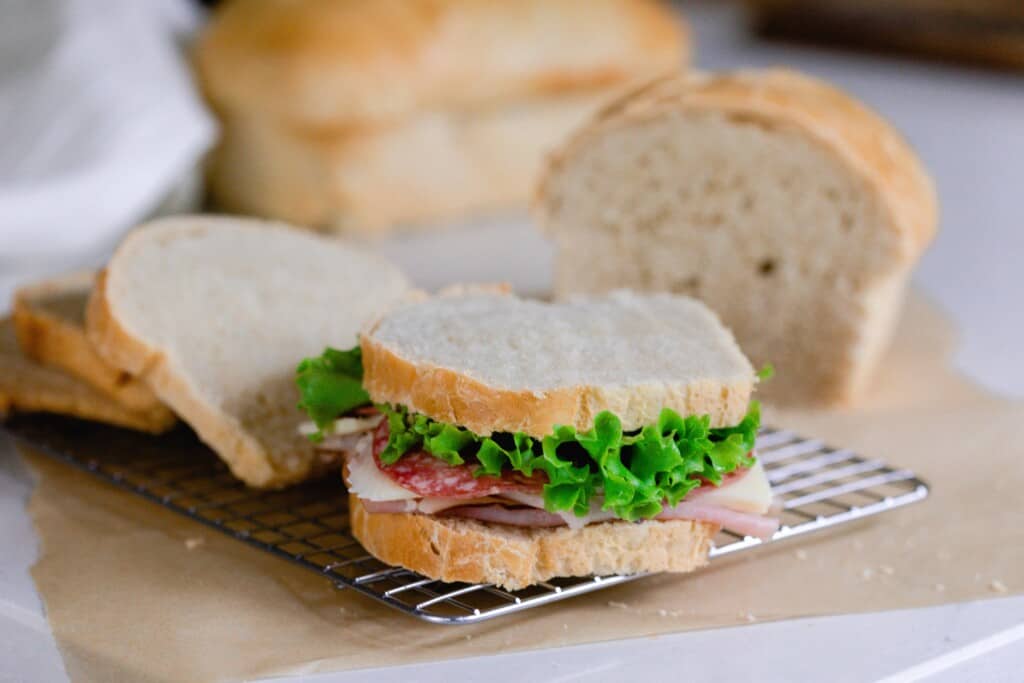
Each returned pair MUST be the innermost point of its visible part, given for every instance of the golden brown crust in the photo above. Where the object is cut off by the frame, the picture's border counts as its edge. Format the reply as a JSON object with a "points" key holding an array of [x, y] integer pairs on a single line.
{"points": [[30, 387], [59, 339], [449, 396], [779, 97], [467, 550], [244, 454], [350, 62]]}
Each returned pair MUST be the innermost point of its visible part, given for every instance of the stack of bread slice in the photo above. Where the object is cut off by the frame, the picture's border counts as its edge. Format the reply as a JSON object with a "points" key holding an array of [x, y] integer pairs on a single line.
{"points": [[47, 363]]}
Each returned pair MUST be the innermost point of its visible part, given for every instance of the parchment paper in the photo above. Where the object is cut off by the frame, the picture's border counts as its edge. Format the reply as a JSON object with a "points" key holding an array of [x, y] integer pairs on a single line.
{"points": [[135, 592]]}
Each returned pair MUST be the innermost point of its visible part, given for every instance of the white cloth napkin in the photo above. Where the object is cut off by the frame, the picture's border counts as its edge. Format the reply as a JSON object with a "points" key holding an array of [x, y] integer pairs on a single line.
{"points": [[100, 123]]}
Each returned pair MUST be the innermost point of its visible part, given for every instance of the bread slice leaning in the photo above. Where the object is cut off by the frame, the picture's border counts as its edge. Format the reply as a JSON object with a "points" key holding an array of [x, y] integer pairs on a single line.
{"points": [[468, 550], [28, 386], [496, 363], [49, 318], [788, 207], [214, 313]]}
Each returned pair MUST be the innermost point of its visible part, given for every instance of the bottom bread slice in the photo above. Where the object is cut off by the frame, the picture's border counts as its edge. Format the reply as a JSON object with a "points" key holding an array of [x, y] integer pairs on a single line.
{"points": [[455, 549]]}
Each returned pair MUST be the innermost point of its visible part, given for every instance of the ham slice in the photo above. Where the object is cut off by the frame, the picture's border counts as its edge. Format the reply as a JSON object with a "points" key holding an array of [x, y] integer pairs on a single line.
{"points": [[499, 514], [743, 523]]}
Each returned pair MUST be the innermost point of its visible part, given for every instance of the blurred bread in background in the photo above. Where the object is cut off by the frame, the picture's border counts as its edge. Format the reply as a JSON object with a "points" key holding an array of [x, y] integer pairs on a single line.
{"points": [[794, 211], [49, 319], [359, 115]]}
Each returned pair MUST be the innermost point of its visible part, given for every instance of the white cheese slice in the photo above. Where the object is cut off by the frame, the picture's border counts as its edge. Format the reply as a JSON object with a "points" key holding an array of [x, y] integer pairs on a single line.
{"points": [[343, 425], [751, 494], [367, 481]]}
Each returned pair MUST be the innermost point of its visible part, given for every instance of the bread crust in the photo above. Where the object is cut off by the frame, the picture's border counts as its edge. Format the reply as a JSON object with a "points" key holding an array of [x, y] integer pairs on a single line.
{"points": [[450, 549], [780, 97], [59, 341], [353, 63]]}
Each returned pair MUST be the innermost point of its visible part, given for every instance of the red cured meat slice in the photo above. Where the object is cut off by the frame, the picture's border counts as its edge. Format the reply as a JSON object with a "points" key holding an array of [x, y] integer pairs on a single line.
{"points": [[431, 477]]}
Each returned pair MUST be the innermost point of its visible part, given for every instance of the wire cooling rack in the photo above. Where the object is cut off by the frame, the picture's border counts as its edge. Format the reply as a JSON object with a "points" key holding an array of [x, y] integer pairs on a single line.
{"points": [[818, 486]]}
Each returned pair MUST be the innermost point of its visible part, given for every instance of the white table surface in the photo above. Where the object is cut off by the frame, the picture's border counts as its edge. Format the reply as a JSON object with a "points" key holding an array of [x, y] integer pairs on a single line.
{"points": [[968, 125]]}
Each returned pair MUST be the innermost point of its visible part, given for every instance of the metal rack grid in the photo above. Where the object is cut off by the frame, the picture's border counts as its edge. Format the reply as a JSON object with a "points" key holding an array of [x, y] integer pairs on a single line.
{"points": [[818, 486]]}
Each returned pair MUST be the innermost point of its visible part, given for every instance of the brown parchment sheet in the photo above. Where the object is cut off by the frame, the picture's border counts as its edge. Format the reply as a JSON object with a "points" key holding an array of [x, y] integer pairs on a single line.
{"points": [[136, 592]]}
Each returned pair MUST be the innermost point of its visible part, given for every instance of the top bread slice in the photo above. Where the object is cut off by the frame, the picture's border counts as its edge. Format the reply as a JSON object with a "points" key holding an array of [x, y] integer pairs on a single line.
{"points": [[494, 363], [49, 318], [214, 313], [331, 63], [788, 207], [28, 386]]}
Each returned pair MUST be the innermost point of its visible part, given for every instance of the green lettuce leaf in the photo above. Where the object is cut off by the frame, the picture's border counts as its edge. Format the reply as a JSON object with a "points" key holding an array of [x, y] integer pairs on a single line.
{"points": [[330, 385], [638, 473]]}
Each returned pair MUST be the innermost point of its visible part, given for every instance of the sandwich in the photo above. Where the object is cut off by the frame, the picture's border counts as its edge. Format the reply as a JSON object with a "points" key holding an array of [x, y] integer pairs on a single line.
{"points": [[493, 439]]}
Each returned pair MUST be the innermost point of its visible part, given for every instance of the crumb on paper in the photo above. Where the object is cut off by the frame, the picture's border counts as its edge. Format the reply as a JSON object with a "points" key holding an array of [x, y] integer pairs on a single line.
{"points": [[748, 617], [801, 554], [998, 586], [662, 612], [940, 588], [617, 605], [867, 573], [193, 543], [565, 627], [887, 570]]}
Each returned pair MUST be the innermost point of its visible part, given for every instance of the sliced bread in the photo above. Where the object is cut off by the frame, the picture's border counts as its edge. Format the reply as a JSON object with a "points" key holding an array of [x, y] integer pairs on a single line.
{"points": [[28, 386], [476, 552], [49, 318], [213, 313], [791, 209], [497, 363]]}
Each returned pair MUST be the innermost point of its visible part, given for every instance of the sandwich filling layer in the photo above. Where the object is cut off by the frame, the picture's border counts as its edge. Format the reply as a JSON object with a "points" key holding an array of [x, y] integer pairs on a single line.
{"points": [[404, 462]]}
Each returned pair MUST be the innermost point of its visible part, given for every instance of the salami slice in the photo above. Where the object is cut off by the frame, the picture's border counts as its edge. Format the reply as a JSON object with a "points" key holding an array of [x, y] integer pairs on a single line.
{"points": [[431, 477]]}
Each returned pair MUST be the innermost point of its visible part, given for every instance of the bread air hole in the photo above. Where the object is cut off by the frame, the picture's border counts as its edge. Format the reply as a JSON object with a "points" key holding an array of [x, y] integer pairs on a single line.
{"points": [[687, 285], [846, 220], [766, 267]]}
